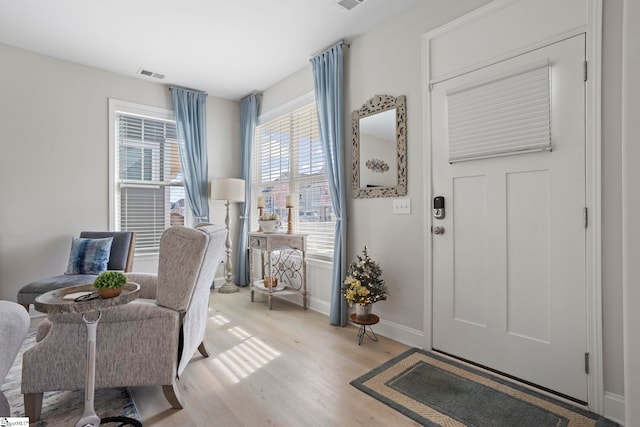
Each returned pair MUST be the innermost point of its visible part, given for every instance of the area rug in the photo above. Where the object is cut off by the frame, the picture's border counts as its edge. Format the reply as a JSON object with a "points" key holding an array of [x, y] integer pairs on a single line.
{"points": [[435, 391], [64, 408]]}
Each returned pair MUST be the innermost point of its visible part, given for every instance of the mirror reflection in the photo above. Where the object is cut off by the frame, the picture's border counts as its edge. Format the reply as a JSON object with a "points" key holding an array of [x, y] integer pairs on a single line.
{"points": [[380, 148], [378, 167]]}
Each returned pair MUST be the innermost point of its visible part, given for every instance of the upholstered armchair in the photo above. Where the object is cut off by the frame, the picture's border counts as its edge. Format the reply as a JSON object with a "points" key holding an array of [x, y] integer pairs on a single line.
{"points": [[14, 324], [146, 342], [120, 258]]}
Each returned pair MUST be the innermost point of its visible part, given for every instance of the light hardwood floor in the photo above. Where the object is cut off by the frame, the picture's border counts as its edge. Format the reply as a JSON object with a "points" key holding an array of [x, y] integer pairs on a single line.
{"points": [[280, 367]]}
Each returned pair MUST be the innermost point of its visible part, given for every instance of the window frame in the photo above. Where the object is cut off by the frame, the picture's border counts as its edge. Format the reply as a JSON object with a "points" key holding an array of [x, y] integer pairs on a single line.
{"points": [[296, 180], [118, 106]]}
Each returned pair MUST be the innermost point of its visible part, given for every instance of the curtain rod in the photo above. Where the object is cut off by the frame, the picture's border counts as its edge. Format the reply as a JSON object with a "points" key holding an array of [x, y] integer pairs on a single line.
{"points": [[341, 42], [187, 88], [253, 92]]}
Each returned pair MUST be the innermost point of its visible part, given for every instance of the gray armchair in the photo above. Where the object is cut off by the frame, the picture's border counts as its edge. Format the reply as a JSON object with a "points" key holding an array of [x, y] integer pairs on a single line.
{"points": [[14, 324], [120, 258], [146, 342]]}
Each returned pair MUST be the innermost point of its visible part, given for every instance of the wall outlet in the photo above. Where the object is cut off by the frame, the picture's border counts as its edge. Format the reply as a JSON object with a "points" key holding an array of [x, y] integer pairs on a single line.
{"points": [[402, 206]]}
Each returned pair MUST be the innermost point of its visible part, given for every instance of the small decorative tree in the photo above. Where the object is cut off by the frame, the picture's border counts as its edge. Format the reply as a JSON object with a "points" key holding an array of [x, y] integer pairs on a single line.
{"points": [[364, 283]]}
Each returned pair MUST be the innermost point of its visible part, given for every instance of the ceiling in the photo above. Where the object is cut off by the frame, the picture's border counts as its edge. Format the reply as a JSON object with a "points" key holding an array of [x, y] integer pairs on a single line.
{"points": [[226, 48]]}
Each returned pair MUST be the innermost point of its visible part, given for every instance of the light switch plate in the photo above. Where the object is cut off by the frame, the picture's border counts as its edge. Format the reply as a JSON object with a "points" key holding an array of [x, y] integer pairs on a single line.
{"points": [[402, 206]]}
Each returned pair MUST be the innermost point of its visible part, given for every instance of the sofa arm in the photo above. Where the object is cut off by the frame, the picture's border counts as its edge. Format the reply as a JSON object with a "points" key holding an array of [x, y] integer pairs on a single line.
{"points": [[148, 284], [14, 324]]}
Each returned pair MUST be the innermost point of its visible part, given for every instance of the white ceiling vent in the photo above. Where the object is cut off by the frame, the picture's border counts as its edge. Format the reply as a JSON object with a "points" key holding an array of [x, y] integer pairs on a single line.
{"points": [[147, 73], [349, 4]]}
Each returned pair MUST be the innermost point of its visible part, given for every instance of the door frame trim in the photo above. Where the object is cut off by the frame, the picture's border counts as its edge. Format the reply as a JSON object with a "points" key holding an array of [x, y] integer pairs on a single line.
{"points": [[593, 170]]}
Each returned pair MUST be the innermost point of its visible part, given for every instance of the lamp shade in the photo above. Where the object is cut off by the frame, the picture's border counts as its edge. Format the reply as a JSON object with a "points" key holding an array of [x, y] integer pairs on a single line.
{"points": [[231, 189]]}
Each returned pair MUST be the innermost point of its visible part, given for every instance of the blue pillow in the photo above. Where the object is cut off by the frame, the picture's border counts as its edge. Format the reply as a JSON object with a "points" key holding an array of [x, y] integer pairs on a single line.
{"points": [[89, 256]]}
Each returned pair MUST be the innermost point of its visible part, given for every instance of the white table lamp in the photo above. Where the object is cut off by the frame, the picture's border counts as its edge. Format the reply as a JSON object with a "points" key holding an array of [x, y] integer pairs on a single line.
{"points": [[230, 190]]}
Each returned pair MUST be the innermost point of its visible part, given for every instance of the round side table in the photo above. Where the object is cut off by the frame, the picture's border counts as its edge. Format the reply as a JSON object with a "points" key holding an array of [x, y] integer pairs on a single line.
{"points": [[54, 302], [372, 320]]}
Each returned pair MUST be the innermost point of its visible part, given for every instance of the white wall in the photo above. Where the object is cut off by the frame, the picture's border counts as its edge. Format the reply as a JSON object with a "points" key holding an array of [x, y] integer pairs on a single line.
{"points": [[54, 157], [223, 138]]}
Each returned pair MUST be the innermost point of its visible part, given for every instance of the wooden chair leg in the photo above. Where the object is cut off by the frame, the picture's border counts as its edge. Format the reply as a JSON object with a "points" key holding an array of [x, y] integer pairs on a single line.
{"points": [[171, 394], [203, 350], [33, 406]]}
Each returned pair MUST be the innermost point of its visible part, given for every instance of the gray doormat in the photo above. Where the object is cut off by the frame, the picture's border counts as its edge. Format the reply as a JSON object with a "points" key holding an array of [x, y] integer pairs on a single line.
{"points": [[435, 391]]}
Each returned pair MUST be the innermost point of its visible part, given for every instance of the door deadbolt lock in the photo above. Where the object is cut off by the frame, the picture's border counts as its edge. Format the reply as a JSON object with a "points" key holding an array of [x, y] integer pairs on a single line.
{"points": [[438, 207], [437, 230]]}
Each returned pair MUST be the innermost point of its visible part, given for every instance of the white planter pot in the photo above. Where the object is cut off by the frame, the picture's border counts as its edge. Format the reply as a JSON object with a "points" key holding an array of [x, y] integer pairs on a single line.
{"points": [[363, 311]]}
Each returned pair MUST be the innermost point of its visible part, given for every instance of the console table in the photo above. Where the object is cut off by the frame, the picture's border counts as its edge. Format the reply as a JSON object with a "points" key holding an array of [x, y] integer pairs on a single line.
{"points": [[283, 256]]}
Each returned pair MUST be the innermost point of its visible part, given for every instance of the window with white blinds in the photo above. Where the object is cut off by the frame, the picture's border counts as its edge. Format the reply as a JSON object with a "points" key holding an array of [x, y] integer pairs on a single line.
{"points": [[288, 158], [509, 114], [148, 190]]}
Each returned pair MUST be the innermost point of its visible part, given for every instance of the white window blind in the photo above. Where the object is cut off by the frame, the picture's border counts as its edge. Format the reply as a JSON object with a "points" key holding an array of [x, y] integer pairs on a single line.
{"points": [[149, 189], [288, 158], [506, 115]]}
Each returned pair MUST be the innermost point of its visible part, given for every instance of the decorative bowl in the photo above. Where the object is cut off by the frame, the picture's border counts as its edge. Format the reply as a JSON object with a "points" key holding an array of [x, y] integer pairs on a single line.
{"points": [[270, 226], [270, 282], [259, 284], [110, 292]]}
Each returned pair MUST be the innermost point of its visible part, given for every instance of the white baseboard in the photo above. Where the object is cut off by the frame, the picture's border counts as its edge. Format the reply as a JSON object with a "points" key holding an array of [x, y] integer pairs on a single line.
{"points": [[218, 282], [33, 313], [614, 407], [319, 305], [400, 333]]}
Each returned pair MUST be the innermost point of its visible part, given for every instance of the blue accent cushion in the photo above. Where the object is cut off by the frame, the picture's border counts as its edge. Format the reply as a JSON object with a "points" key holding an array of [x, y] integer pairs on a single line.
{"points": [[89, 256]]}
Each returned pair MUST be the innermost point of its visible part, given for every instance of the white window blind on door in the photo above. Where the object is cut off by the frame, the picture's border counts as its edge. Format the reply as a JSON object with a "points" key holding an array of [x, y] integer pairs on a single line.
{"points": [[149, 184], [510, 114], [288, 158]]}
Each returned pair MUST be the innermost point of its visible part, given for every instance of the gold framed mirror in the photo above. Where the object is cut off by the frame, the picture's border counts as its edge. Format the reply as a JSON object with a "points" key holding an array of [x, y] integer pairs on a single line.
{"points": [[379, 134]]}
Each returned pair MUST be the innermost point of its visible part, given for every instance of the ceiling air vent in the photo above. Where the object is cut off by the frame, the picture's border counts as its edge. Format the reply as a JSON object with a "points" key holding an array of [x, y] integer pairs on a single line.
{"points": [[147, 73], [349, 4]]}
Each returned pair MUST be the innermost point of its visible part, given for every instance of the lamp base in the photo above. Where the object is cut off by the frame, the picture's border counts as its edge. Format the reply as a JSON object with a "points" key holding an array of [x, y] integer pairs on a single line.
{"points": [[228, 288]]}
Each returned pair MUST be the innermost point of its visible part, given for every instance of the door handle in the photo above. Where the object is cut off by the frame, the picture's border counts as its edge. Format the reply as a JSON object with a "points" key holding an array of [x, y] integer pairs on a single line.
{"points": [[437, 230]]}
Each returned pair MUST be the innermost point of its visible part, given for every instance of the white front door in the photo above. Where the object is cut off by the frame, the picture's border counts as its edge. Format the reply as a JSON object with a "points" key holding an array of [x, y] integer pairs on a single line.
{"points": [[509, 287]]}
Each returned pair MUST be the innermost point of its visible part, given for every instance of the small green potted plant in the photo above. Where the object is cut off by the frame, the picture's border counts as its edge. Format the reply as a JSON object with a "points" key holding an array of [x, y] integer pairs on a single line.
{"points": [[109, 283]]}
